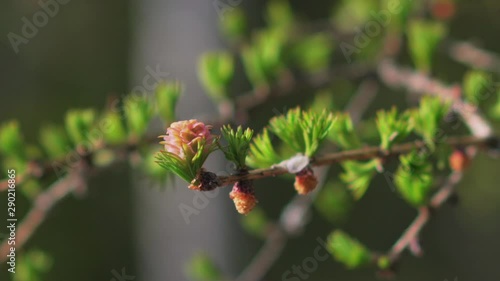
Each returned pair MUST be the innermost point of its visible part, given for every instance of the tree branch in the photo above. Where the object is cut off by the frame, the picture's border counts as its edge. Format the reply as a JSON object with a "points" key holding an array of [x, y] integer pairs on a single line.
{"points": [[42, 205], [242, 105], [357, 154]]}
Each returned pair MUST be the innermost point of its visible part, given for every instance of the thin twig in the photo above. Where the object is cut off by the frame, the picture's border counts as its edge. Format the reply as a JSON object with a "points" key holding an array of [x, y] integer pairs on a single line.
{"points": [[356, 154], [413, 231]]}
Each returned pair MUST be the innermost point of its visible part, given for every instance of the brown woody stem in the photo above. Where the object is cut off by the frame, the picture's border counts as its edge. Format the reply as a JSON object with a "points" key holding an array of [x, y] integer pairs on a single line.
{"points": [[357, 154]]}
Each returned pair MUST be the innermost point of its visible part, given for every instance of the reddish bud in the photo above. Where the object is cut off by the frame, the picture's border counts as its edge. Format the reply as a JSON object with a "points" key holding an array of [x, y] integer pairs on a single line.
{"points": [[243, 196], [305, 181], [443, 9], [459, 161]]}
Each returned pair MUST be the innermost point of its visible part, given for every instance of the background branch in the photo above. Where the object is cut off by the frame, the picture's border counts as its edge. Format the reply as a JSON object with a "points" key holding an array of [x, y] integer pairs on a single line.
{"points": [[399, 77], [424, 214], [469, 54], [42, 205]]}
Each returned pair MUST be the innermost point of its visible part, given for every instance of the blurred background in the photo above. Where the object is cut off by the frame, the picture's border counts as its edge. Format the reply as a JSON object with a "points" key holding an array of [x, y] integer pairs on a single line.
{"points": [[90, 50]]}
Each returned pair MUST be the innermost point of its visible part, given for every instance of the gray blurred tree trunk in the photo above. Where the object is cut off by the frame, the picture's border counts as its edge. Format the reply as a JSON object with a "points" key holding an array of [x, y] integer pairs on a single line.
{"points": [[169, 36]]}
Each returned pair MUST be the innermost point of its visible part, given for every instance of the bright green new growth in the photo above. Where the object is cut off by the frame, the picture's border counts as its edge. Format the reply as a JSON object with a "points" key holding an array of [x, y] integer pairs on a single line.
{"points": [[11, 140], [279, 14], [115, 133], [302, 131], [176, 165], [495, 110], [262, 153], [424, 37], [263, 58], [202, 268], [475, 85], [348, 250], [358, 175], [138, 112], [414, 178], [342, 132], [79, 123], [167, 94], [235, 25], [238, 144], [399, 20], [187, 168], [12, 147], [313, 53], [428, 116], [393, 127], [216, 70], [352, 13], [54, 141], [32, 266]]}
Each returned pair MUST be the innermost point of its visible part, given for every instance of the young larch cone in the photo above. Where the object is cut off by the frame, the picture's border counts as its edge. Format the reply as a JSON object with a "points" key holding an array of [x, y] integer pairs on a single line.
{"points": [[191, 142], [183, 137], [305, 181], [243, 196]]}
